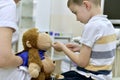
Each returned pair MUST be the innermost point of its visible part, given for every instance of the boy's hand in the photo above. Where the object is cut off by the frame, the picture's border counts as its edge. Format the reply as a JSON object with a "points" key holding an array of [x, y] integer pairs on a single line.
{"points": [[58, 46], [74, 47]]}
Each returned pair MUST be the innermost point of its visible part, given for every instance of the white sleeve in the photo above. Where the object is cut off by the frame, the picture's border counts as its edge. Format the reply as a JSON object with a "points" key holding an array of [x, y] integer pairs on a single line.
{"points": [[8, 14], [91, 34]]}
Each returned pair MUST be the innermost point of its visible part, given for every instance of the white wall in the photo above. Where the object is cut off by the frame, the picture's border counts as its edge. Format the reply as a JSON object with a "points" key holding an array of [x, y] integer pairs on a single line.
{"points": [[54, 15], [62, 20]]}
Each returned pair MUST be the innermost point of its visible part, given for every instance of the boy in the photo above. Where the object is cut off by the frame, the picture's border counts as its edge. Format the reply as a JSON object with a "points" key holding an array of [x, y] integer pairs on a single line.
{"points": [[98, 41]]}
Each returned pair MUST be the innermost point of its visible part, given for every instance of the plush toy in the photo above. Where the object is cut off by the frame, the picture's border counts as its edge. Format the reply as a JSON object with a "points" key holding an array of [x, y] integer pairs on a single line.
{"points": [[34, 58]]}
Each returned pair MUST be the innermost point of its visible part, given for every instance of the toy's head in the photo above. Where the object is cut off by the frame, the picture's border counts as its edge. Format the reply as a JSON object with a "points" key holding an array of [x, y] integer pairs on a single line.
{"points": [[32, 38]]}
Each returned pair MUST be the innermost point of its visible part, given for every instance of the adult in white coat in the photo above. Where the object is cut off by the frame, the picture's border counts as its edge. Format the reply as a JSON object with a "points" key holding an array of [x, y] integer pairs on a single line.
{"points": [[8, 26]]}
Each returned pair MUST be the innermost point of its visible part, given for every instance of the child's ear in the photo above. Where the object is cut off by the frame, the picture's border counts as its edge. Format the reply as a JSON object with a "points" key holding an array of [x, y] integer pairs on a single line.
{"points": [[87, 4], [28, 44]]}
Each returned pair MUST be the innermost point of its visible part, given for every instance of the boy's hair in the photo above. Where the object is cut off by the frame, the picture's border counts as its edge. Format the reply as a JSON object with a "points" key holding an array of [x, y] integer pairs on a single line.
{"points": [[79, 2]]}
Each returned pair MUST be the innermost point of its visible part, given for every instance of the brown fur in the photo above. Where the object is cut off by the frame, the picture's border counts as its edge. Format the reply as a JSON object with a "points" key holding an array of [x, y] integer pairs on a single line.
{"points": [[32, 36], [34, 58]]}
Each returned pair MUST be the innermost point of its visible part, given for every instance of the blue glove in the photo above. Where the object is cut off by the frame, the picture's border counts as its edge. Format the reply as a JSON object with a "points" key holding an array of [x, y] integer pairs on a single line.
{"points": [[24, 56]]}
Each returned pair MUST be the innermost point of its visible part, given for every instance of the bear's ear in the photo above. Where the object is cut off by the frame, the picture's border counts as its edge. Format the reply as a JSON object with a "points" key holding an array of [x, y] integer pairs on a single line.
{"points": [[28, 44]]}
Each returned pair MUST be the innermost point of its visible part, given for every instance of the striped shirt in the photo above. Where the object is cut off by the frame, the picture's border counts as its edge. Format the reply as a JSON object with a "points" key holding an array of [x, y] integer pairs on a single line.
{"points": [[99, 34]]}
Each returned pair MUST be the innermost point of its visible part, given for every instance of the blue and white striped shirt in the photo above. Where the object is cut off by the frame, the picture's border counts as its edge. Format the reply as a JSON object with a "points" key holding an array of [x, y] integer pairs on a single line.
{"points": [[99, 34]]}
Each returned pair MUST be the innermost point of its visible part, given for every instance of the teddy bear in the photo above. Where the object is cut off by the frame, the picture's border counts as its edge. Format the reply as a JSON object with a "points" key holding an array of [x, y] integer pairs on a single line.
{"points": [[35, 44]]}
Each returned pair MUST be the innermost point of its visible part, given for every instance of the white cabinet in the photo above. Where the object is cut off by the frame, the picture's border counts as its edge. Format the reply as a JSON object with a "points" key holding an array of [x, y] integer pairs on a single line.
{"points": [[42, 12], [59, 57], [25, 17], [26, 14]]}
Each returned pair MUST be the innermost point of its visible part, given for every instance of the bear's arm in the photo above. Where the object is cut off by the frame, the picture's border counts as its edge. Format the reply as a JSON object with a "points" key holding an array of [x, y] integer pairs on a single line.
{"points": [[34, 57]]}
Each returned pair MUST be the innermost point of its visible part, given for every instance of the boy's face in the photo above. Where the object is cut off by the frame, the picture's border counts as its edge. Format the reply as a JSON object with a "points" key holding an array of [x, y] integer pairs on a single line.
{"points": [[80, 11], [16, 1]]}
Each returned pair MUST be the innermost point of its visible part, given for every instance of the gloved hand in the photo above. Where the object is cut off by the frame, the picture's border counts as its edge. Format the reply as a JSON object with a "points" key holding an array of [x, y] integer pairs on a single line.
{"points": [[24, 56]]}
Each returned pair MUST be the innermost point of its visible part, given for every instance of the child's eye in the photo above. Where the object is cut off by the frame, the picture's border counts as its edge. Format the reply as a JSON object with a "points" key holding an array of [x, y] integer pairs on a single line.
{"points": [[73, 12]]}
